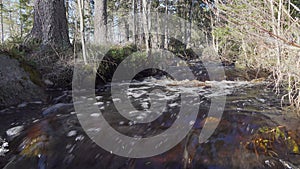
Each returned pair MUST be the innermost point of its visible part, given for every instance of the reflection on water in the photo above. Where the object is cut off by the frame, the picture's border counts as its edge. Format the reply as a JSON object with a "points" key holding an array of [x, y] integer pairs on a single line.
{"points": [[56, 139]]}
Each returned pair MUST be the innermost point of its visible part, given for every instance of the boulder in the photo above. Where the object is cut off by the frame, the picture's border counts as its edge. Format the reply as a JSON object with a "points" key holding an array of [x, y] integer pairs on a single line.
{"points": [[15, 84]]}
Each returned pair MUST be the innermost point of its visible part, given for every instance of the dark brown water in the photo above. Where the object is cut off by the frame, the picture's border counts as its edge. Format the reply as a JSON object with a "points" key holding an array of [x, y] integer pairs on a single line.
{"points": [[56, 139]]}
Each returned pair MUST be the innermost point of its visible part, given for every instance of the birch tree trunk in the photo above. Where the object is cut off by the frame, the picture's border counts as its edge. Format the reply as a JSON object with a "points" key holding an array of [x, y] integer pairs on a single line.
{"points": [[145, 24], [82, 36], [166, 27]]}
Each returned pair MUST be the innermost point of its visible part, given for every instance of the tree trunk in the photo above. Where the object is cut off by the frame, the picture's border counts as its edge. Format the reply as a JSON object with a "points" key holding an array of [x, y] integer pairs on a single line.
{"points": [[67, 9], [2, 27], [189, 31], [134, 11], [100, 22], [89, 25], [20, 19], [82, 32], [50, 27], [145, 24], [166, 28], [127, 32], [149, 25], [10, 18]]}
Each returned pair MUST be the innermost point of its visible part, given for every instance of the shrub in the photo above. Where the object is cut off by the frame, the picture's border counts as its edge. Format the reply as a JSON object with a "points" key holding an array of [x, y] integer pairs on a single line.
{"points": [[262, 35]]}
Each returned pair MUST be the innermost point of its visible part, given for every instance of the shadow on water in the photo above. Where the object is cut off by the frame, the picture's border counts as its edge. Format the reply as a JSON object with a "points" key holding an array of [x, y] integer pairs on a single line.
{"points": [[56, 139]]}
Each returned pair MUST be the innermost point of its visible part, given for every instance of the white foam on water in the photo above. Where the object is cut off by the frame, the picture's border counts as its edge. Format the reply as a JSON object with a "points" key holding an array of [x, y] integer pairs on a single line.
{"points": [[95, 115], [22, 105], [98, 103], [173, 104], [72, 133], [3, 147]]}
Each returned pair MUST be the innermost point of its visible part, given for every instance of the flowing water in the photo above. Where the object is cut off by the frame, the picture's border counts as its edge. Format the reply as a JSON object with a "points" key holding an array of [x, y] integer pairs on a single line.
{"points": [[49, 135]]}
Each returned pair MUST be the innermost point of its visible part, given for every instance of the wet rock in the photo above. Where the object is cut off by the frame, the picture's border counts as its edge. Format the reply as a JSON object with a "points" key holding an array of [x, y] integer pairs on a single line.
{"points": [[14, 132], [65, 98], [60, 108], [48, 82], [22, 105], [15, 84], [36, 102], [21, 163]]}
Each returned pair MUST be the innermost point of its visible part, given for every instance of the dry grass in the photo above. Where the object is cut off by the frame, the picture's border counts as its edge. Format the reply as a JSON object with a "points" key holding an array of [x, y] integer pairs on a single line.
{"points": [[262, 35]]}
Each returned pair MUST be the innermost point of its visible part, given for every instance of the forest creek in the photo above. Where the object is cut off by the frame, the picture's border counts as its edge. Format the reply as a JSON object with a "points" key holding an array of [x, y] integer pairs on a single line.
{"points": [[47, 133], [150, 84]]}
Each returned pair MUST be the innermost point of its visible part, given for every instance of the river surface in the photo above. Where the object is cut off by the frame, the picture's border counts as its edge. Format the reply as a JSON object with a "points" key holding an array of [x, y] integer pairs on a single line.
{"points": [[48, 135]]}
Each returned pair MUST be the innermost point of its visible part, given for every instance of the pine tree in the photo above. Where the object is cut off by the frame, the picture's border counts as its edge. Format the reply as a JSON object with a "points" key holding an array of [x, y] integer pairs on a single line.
{"points": [[50, 26]]}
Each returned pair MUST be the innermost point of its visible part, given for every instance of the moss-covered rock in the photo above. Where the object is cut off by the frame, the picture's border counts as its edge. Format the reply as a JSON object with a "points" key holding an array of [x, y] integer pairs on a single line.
{"points": [[15, 83], [113, 58]]}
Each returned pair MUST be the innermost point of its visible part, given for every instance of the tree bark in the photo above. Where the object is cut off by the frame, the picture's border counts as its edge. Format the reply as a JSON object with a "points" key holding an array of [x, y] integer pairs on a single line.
{"points": [[189, 31], [166, 28], [50, 27], [2, 27], [67, 9], [82, 32], [145, 24], [100, 22], [127, 32], [134, 11], [20, 19], [89, 13]]}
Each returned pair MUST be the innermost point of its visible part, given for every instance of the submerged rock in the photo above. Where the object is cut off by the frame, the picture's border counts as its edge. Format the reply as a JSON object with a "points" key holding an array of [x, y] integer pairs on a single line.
{"points": [[59, 108], [65, 98]]}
